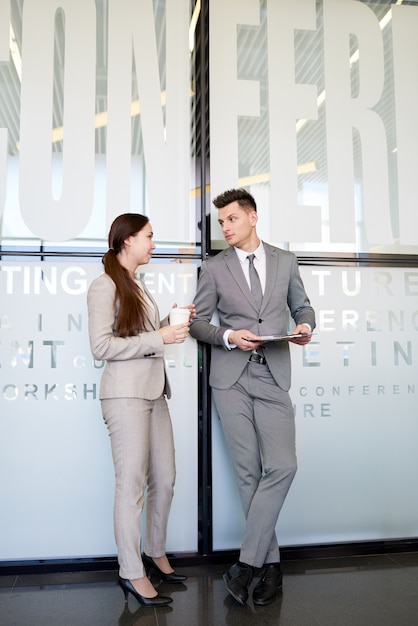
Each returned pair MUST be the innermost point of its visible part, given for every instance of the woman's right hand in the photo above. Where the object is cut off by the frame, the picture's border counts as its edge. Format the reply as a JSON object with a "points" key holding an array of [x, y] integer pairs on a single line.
{"points": [[175, 334]]}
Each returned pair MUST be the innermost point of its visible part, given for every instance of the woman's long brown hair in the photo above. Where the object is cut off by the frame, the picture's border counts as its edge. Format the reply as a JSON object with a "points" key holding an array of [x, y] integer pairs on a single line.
{"points": [[131, 317]]}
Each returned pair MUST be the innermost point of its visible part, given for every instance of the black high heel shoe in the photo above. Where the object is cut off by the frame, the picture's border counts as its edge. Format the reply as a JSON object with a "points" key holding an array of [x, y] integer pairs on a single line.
{"points": [[127, 587], [150, 567]]}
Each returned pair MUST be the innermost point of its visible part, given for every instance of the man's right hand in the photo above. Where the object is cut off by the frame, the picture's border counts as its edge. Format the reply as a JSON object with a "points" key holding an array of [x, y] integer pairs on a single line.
{"points": [[241, 338]]}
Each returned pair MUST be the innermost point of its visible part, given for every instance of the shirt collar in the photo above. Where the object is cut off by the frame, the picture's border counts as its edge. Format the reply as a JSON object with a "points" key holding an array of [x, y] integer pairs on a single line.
{"points": [[259, 253]]}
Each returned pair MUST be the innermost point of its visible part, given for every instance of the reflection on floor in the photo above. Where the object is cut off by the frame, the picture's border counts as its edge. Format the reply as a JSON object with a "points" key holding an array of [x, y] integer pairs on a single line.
{"points": [[356, 591]]}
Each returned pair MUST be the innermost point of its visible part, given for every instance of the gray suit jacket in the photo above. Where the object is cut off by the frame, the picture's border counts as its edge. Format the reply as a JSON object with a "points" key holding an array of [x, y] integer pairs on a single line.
{"points": [[135, 366], [222, 287]]}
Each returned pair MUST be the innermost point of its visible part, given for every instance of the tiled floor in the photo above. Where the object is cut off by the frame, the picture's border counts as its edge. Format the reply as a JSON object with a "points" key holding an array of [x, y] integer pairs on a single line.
{"points": [[377, 590]]}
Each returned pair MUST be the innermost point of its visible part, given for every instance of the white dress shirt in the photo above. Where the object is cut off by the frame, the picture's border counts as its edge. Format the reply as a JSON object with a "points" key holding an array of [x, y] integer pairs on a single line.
{"points": [[260, 266]]}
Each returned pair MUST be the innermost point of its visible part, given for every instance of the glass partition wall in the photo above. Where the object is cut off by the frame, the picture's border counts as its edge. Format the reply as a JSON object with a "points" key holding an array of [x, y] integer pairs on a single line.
{"points": [[98, 120], [155, 106], [309, 107], [98, 116], [310, 111]]}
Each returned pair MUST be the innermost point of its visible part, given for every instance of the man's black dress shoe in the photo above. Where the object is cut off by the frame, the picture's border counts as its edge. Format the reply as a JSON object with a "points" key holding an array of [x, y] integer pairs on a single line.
{"points": [[151, 567], [270, 582], [238, 580]]}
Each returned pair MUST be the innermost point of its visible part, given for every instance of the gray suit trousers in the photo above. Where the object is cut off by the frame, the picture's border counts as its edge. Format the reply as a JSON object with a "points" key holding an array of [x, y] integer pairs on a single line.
{"points": [[258, 423], [142, 444]]}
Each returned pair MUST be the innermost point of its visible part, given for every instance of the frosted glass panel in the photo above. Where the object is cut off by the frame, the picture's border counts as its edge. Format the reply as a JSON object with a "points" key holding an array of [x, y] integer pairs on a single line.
{"points": [[56, 484], [355, 394]]}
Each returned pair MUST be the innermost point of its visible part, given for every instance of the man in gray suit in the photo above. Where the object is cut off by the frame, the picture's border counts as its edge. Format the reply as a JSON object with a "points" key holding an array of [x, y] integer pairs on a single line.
{"points": [[253, 286]]}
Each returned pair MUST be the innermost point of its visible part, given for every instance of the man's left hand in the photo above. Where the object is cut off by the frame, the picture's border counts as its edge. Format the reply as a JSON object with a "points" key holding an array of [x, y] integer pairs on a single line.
{"points": [[302, 329]]}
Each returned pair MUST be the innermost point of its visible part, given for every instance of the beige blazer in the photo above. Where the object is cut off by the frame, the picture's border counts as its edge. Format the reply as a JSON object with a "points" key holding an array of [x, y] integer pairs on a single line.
{"points": [[135, 366]]}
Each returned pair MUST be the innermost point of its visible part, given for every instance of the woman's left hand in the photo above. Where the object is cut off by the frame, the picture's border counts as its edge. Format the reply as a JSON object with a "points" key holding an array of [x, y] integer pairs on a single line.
{"points": [[191, 308]]}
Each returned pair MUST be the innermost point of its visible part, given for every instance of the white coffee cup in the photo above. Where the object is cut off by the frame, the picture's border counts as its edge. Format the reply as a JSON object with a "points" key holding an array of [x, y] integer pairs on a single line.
{"points": [[178, 315]]}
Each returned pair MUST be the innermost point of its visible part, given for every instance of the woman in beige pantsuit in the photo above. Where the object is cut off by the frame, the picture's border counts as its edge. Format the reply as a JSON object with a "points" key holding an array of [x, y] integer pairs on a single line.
{"points": [[125, 331]]}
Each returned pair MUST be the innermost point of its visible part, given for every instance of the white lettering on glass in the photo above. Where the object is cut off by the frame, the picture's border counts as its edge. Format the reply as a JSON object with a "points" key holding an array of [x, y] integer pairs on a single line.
{"points": [[345, 113], [287, 103], [50, 213], [405, 53], [38, 279], [56, 189], [165, 114], [229, 97], [4, 58]]}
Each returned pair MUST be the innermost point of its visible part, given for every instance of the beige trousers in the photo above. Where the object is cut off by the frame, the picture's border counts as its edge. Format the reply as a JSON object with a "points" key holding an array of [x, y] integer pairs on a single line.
{"points": [[141, 438]]}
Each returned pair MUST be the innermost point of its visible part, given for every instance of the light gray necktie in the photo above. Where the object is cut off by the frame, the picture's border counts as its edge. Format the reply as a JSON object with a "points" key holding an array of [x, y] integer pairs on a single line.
{"points": [[255, 283]]}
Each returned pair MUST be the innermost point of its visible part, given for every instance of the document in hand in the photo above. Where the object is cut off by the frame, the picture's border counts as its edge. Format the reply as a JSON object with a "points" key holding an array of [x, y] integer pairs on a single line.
{"points": [[277, 337]]}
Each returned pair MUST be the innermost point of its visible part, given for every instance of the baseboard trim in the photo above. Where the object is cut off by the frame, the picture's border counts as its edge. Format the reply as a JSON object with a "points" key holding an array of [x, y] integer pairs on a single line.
{"points": [[221, 557]]}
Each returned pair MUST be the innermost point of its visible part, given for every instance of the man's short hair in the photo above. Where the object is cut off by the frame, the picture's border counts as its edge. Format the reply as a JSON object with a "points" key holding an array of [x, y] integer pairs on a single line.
{"points": [[241, 196]]}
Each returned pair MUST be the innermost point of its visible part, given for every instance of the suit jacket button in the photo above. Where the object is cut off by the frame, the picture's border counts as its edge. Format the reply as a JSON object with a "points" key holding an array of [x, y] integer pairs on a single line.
{"points": [[260, 321]]}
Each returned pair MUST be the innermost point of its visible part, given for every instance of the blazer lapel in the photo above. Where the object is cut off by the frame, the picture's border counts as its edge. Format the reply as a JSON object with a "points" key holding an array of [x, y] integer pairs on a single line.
{"points": [[272, 267], [152, 312], [234, 266]]}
